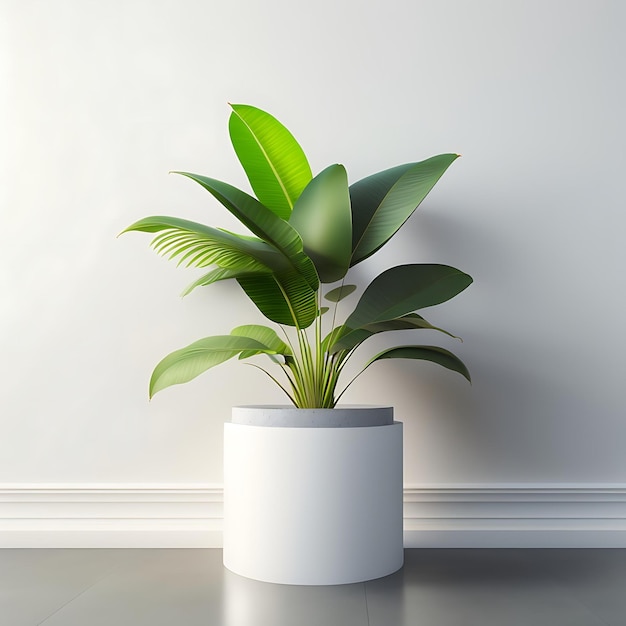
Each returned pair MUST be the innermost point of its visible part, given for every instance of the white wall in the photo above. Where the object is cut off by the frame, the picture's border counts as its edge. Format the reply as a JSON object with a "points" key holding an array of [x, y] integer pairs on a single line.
{"points": [[101, 99]]}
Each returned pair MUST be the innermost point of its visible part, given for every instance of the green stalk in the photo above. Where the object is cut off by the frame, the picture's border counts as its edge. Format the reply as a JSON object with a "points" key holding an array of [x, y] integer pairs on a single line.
{"points": [[299, 369], [308, 369], [274, 379], [346, 387], [328, 386], [337, 304], [298, 385], [318, 348]]}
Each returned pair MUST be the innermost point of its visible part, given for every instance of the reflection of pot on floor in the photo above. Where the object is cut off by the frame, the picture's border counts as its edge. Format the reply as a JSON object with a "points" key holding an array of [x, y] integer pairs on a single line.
{"points": [[313, 496]]}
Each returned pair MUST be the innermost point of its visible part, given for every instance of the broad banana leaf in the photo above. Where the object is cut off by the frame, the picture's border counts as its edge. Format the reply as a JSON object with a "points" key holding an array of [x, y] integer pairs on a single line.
{"points": [[404, 289], [323, 219], [274, 162], [262, 334], [199, 245], [425, 353], [412, 321], [381, 203], [185, 364], [283, 297], [279, 291], [262, 222]]}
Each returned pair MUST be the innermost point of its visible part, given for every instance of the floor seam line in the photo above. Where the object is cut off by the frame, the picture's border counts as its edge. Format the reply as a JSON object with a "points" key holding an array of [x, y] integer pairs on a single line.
{"points": [[85, 590]]}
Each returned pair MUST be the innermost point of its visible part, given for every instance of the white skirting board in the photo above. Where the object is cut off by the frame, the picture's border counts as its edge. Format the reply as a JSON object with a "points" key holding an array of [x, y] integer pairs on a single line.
{"points": [[190, 516]]}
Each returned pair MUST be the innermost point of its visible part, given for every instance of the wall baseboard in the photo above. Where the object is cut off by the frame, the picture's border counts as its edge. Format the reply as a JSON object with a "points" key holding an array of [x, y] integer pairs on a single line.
{"points": [[515, 516], [111, 516], [190, 516]]}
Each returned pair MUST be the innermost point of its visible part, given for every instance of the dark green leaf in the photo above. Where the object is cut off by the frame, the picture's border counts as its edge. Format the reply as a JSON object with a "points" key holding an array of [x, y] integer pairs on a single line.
{"points": [[404, 289], [381, 203], [348, 339], [323, 219], [262, 222], [412, 321], [425, 353]]}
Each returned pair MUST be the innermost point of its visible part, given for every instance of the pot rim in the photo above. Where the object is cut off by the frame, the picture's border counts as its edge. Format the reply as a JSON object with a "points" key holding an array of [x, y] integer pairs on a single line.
{"points": [[288, 416]]}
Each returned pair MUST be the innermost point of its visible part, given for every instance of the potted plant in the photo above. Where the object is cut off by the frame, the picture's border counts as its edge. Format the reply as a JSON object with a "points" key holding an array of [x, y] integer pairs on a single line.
{"points": [[313, 493]]}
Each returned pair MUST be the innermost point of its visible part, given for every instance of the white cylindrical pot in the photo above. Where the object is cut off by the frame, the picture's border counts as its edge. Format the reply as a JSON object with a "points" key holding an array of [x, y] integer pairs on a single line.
{"points": [[307, 505]]}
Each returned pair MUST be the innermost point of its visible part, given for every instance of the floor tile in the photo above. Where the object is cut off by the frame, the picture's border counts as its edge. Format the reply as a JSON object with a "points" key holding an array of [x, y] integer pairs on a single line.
{"points": [[472, 588], [436, 588], [190, 587], [597, 578], [253, 603], [35, 583]]}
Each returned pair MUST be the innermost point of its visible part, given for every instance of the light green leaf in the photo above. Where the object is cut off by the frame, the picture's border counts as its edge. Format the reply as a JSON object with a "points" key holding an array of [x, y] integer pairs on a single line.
{"points": [[262, 222], [425, 353], [220, 274], [199, 245], [264, 335], [274, 162], [381, 203], [323, 219], [339, 293], [412, 321], [185, 364], [404, 289], [280, 296], [283, 297]]}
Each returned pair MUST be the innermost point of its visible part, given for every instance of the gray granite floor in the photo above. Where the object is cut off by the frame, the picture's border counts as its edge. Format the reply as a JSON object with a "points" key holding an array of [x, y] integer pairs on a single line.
{"points": [[190, 587]]}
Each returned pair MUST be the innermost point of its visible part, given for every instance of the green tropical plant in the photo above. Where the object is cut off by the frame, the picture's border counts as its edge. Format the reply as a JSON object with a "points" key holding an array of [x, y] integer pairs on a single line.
{"points": [[307, 231]]}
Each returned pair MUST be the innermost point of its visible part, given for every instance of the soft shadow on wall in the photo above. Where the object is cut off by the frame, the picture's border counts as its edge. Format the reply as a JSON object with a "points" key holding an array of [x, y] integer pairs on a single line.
{"points": [[524, 418]]}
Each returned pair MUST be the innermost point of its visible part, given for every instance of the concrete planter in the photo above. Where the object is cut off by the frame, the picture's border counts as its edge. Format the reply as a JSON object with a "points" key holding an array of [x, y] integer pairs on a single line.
{"points": [[313, 496]]}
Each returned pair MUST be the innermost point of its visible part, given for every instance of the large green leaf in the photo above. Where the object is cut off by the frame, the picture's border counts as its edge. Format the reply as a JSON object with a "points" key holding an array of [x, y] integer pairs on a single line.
{"points": [[323, 219], [199, 245], [185, 364], [404, 289], [262, 222], [281, 295], [264, 335], [274, 162], [381, 203], [425, 353], [284, 297], [412, 321]]}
